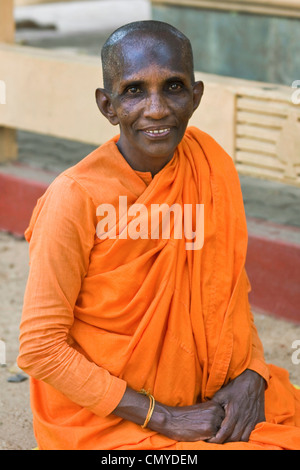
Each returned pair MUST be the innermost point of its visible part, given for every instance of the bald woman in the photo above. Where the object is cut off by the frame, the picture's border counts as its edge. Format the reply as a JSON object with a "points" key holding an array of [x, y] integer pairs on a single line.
{"points": [[147, 341]]}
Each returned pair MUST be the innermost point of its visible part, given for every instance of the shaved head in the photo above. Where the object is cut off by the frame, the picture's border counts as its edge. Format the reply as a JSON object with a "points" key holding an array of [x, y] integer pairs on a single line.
{"points": [[141, 32]]}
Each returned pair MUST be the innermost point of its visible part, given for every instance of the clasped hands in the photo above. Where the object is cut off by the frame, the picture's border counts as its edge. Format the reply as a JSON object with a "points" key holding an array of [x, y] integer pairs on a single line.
{"points": [[229, 416]]}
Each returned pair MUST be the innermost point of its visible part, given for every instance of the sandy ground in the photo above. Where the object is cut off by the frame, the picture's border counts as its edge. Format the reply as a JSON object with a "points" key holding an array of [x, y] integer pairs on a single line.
{"points": [[15, 416]]}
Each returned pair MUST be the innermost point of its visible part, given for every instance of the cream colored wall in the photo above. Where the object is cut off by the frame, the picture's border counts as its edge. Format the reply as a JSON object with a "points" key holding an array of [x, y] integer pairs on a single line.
{"points": [[52, 94], [8, 147], [48, 93]]}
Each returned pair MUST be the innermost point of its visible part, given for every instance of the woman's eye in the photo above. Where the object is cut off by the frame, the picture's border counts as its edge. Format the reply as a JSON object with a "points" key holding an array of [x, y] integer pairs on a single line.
{"points": [[175, 86], [132, 90]]}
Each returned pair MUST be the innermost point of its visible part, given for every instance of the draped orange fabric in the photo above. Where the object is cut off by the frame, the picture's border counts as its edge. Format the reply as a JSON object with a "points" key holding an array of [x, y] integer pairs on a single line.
{"points": [[102, 313]]}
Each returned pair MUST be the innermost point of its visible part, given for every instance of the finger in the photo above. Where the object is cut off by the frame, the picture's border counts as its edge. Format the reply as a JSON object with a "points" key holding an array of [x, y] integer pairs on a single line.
{"points": [[246, 434], [251, 426], [243, 429], [226, 429], [237, 433], [262, 416]]}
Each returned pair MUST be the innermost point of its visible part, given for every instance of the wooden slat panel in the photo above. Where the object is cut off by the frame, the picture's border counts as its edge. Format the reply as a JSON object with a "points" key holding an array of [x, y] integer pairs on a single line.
{"points": [[259, 172], [266, 135], [256, 146], [263, 106], [259, 161], [259, 133], [260, 119]]}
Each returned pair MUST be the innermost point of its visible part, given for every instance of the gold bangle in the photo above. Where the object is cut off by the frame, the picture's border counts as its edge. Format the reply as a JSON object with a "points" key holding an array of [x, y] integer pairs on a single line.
{"points": [[151, 407]]}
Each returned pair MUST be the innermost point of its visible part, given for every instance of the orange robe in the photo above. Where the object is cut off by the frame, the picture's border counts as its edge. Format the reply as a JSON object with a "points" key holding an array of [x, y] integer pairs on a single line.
{"points": [[103, 313]]}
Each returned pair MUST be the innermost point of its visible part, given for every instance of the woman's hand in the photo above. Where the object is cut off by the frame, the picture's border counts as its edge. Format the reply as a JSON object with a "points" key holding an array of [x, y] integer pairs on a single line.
{"points": [[192, 423], [243, 402], [230, 416], [183, 423]]}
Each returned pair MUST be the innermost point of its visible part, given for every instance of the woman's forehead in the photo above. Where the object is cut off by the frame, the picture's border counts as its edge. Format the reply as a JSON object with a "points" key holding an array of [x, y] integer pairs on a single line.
{"points": [[143, 55]]}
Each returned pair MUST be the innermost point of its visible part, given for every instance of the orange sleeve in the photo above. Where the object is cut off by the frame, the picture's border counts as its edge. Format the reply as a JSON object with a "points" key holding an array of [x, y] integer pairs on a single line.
{"points": [[257, 362], [61, 235]]}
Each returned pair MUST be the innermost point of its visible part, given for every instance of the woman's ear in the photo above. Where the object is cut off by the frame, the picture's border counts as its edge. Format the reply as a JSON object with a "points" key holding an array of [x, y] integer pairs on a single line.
{"points": [[104, 102], [198, 89]]}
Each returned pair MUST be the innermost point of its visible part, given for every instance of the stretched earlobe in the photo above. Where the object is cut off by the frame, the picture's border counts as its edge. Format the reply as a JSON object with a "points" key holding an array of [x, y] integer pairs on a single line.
{"points": [[104, 103]]}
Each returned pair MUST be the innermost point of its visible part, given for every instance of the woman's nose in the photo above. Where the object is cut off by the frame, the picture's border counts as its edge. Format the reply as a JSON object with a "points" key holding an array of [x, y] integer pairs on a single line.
{"points": [[156, 106]]}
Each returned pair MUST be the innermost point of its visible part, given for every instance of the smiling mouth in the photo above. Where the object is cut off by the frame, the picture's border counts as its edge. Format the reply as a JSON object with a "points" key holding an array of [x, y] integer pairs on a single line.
{"points": [[155, 133]]}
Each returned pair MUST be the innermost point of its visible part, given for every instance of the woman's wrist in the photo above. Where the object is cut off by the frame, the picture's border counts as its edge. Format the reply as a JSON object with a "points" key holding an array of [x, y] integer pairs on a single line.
{"points": [[160, 420], [135, 407]]}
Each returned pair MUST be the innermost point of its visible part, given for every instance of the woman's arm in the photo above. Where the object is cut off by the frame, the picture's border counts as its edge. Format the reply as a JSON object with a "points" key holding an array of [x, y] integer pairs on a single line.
{"points": [[61, 235], [186, 423]]}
